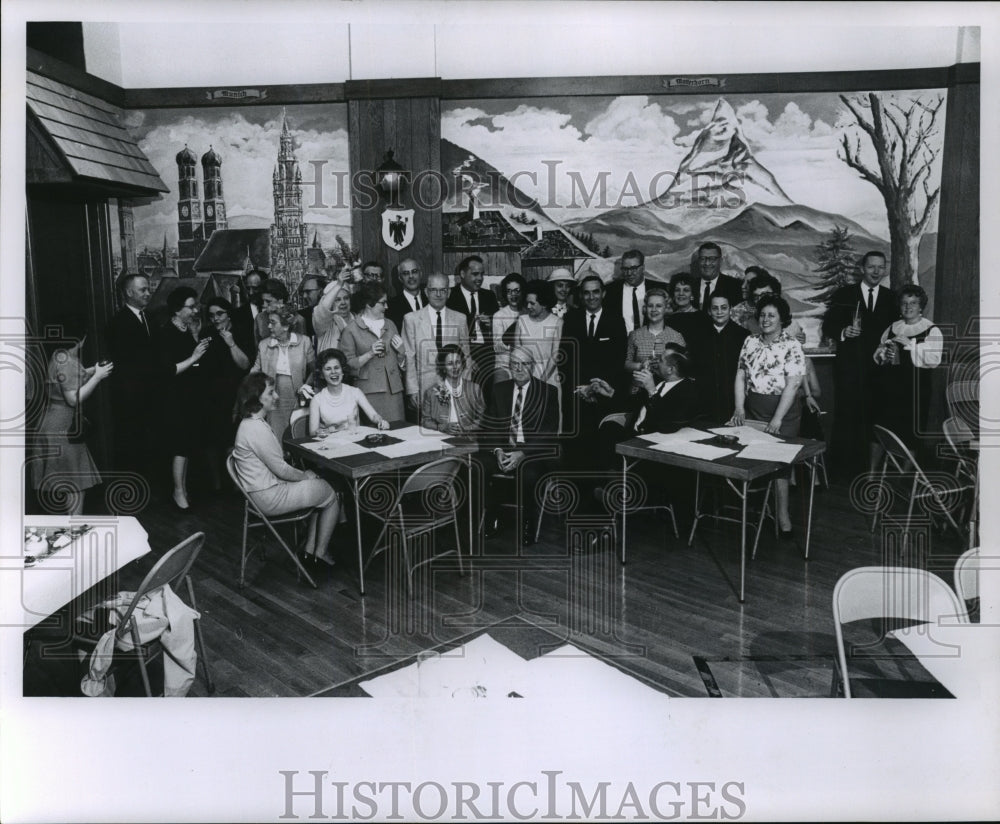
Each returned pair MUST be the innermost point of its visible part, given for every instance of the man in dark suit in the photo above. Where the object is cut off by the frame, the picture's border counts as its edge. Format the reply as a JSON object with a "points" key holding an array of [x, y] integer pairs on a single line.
{"points": [[138, 380], [519, 432], [715, 365], [311, 289], [855, 321], [411, 296], [478, 306], [245, 316], [712, 282], [592, 348], [626, 298]]}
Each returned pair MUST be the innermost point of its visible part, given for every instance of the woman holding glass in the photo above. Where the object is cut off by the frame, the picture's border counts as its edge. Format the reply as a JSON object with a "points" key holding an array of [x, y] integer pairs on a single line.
{"points": [[647, 343], [287, 358], [273, 484], [375, 354], [335, 407], [454, 404], [184, 395], [511, 293], [64, 460], [771, 367]]}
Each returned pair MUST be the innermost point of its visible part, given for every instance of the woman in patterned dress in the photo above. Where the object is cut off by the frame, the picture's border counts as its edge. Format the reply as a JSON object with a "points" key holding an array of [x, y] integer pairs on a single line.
{"points": [[771, 367], [646, 344]]}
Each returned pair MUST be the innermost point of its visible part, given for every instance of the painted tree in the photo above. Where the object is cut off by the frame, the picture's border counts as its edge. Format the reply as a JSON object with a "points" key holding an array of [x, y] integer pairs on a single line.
{"points": [[838, 263], [900, 131]]}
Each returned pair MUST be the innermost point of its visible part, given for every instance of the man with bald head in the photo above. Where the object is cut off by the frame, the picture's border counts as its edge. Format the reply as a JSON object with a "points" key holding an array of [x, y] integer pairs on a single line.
{"points": [[425, 332], [411, 296], [519, 428]]}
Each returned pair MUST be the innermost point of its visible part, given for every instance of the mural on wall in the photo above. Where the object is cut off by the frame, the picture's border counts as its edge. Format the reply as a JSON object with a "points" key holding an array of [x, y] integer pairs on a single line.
{"points": [[255, 187], [799, 184]]}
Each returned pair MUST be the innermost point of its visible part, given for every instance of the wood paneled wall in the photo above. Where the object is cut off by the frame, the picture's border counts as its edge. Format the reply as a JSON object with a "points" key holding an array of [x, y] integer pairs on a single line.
{"points": [[411, 127]]}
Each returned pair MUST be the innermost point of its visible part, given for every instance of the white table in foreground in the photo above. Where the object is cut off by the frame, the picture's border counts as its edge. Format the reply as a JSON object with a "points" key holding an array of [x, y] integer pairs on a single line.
{"points": [[32, 594], [964, 658]]}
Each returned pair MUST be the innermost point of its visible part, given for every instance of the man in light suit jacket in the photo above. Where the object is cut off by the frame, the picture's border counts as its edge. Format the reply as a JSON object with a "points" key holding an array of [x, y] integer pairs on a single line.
{"points": [[626, 297], [412, 298], [138, 379], [425, 332], [712, 282], [519, 433], [855, 321], [478, 306]]}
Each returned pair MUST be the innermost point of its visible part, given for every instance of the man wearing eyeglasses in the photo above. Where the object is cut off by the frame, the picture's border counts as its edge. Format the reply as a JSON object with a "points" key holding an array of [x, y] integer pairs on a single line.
{"points": [[311, 290], [411, 297], [626, 297], [425, 333], [709, 260], [519, 428]]}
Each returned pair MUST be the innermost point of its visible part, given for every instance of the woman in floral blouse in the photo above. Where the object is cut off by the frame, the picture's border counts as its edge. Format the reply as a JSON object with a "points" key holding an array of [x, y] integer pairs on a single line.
{"points": [[771, 367], [454, 404]]}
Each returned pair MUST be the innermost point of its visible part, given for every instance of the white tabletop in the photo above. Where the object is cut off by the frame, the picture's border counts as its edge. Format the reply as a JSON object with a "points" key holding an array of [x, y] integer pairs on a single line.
{"points": [[33, 593], [964, 658]]}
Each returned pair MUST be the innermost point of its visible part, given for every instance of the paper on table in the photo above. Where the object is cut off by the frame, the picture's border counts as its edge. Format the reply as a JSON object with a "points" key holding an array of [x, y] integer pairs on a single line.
{"points": [[334, 448], [746, 434], [695, 450], [685, 435], [571, 671], [781, 452], [412, 447]]}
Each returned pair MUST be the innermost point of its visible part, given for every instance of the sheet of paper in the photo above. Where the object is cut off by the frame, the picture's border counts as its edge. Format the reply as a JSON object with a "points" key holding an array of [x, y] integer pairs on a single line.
{"points": [[568, 671], [335, 447], [781, 452], [685, 435], [695, 450], [412, 433], [412, 447], [746, 434]]}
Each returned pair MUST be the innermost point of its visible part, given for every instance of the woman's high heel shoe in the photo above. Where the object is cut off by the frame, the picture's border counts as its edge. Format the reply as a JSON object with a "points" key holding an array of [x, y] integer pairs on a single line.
{"points": [[324, 559], [181, 501]]}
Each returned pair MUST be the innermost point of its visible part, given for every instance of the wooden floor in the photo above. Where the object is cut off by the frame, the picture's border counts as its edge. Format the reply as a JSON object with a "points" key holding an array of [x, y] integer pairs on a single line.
{"points": [[670, 616]]}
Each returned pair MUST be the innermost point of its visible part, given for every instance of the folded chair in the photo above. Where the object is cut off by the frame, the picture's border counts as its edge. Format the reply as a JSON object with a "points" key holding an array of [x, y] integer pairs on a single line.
{"points": [[253, 518], [172, 570], [427, 500], [890, 593]]}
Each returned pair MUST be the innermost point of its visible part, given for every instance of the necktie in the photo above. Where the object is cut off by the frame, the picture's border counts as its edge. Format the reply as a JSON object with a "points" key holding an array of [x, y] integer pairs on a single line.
{"points": [[705, 296], [474, 324], [416, 303], [142, 317], [635, 309], [437, 332], [590, 329], [871, 300], [515, 417]]}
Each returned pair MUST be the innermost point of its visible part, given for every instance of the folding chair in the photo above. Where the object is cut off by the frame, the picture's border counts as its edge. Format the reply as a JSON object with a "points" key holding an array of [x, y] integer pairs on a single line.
{"points": [[253, 518], [967, 575], [904, 465], [298, 423], [956, 433], [427, 500], [890, 593], [171, 570]]}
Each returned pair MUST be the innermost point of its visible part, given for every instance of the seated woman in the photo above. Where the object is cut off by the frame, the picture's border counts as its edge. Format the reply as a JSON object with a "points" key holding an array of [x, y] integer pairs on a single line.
{"points": [[335, 407], [455, 404], [771, 367], [274, 485]]}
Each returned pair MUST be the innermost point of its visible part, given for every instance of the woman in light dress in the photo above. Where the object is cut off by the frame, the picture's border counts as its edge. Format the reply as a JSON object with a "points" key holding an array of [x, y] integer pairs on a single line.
{"points": [[539, 331], [504, 319], [336, 406]]}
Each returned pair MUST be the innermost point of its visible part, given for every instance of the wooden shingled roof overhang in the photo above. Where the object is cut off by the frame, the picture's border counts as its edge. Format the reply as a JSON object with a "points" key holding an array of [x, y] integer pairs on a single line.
{"points": [[79, 139]]}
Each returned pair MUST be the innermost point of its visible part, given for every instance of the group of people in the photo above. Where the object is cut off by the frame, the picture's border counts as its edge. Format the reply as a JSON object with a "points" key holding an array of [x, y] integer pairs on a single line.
{"points": [[531, 371]]}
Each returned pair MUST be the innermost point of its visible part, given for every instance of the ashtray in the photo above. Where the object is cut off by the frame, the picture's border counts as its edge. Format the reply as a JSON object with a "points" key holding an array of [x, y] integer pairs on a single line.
{"points": [[375, 439], [725, 440]]}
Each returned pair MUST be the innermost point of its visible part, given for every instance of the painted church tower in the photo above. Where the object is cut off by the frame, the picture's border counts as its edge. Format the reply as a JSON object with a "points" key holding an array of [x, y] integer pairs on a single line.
{"points": [[215, 206], [190, 234], [288, 232]]}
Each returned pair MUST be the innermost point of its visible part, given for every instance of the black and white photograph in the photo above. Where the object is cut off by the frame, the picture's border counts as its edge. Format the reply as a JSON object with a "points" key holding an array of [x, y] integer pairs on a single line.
{"points": [[485, 411]]}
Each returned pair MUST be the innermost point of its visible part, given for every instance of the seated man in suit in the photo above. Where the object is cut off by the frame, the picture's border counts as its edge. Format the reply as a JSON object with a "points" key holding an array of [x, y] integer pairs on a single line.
{"points": [[519, 429], [667, 400]]}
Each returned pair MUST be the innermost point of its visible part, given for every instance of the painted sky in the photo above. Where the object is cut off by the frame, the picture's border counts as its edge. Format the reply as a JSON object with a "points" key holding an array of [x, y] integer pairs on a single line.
{"points": [[794, 135], [247, 139]]}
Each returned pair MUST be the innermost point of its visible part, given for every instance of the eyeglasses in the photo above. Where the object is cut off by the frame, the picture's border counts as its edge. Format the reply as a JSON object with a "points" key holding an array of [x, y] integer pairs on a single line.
{"points": [[438, 291], [517, 366], [631, 268]]}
